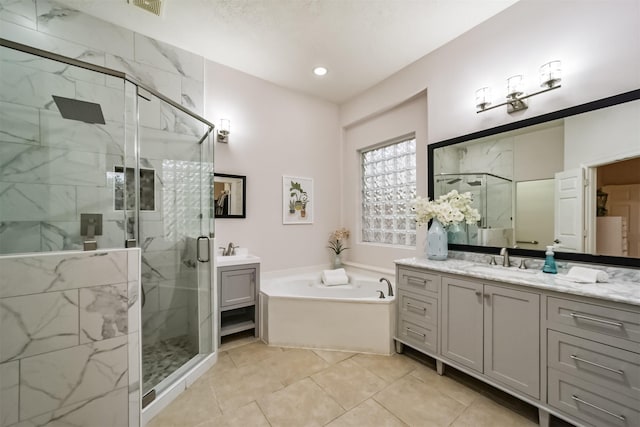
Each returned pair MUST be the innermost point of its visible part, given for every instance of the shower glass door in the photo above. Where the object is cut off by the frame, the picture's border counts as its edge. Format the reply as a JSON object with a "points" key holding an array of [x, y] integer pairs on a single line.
{"points": [[174, 181]]}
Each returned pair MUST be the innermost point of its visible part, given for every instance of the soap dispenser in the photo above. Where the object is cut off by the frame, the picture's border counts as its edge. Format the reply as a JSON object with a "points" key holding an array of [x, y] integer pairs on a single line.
{"points": [[549, 262]]}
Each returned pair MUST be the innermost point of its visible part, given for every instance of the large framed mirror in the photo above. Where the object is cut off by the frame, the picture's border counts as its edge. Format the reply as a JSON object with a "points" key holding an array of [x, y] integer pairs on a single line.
{"points": [[569, 178], [229, 196]]}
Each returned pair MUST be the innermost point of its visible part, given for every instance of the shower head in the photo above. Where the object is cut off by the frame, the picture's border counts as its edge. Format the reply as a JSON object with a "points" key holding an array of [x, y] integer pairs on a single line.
{"points": [[83, 111]]}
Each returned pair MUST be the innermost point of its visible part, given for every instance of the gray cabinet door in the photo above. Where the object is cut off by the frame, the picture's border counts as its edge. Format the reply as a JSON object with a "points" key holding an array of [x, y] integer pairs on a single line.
{"points": [[462, 322], [512, 338], [237, 287]]}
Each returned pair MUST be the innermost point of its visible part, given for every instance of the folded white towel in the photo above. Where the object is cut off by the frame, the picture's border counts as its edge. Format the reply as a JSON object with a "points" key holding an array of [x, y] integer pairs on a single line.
{"points": [[335, 277], [586, 275]]}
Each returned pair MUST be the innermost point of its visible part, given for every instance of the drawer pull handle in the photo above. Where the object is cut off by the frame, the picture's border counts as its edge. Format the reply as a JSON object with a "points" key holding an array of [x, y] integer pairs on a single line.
{"points": [[588, 362], [416, 281], [416, 333], [409, 305], [594, 319], [577, 399], [478, 293]]}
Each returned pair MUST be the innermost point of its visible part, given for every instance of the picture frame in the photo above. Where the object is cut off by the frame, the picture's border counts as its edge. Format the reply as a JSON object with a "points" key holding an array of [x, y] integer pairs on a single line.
{"points": [[297, 200]]}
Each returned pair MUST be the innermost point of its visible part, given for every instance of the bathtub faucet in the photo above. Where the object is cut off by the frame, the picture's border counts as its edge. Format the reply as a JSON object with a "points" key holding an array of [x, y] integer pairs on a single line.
{"points": [[382, 279]]}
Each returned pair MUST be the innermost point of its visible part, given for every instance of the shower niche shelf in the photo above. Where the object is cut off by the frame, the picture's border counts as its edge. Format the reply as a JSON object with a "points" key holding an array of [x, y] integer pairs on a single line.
{"points": [[238, 287]]}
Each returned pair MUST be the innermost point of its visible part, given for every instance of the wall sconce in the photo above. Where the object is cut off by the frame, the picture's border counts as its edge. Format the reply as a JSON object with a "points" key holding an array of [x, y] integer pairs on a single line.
{"points": [[223, 132], [550, 77]]}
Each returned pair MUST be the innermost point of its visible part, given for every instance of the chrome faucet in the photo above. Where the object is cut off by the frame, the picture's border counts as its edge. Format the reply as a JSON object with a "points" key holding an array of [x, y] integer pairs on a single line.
{"points": [[229, 250], [505, 257], [390, 292]]}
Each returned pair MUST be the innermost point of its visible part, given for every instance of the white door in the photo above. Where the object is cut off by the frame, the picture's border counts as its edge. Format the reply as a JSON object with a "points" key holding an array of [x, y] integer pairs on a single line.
{"points": [[569, 210]]}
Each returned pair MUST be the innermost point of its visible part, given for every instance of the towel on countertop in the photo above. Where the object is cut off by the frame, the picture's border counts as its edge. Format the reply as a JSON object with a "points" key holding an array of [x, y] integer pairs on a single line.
{"points": [[585, 275], [335, 277]]}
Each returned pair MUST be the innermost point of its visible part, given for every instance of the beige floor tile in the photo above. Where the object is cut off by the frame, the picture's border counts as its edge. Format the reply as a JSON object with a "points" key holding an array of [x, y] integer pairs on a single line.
{"points": [[349, 383], [334, 356], [248, 415], [389, 368], [240, 386], [419, 404], [484, 412], [368, 413], [252, 353], [293, 365], [446, 385], [223, 364], [302, 403], [194, 406]]}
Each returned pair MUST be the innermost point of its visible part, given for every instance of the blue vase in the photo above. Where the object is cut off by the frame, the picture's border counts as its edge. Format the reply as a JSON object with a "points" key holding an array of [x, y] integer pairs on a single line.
{"points": [[457, 233], [437, 241]]}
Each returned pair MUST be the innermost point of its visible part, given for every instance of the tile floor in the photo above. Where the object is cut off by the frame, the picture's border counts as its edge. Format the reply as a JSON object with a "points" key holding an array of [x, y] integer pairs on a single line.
{"points": [[256, 385]]}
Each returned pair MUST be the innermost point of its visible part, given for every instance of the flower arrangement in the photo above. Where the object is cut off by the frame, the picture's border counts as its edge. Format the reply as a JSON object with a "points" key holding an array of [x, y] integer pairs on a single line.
{"points": [[336, 240], [450, 208]]}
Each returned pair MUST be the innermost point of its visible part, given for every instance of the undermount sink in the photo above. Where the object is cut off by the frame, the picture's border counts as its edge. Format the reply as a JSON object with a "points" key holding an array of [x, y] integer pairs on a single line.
{"points": [[224, 261], [499, 271]]}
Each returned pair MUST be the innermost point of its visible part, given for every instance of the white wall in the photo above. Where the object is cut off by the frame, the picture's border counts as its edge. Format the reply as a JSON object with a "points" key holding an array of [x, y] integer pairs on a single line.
{"points": [[598, 43], [409, 117], [275, 131], [602, 136]]}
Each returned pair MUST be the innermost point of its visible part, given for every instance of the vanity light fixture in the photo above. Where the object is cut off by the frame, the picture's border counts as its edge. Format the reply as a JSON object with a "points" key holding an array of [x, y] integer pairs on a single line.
{"points": [[550, 77], [223, 132]]}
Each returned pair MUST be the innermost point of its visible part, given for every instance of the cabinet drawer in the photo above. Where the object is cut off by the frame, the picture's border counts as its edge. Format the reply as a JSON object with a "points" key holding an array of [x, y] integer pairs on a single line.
{"points": [[422, 337], [418, 281], [594, 405], [418, 307], [605, 365], [599, 323]]}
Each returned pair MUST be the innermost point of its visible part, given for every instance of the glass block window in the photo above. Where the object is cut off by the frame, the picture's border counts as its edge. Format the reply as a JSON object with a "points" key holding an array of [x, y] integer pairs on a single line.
{"points": [[388, 186]]}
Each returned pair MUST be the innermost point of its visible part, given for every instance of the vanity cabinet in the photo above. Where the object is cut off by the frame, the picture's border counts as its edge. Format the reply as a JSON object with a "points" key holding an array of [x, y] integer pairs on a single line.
{"points": [[593, 361], [494, 330], [573, 356], [417, 322], [238, 288]]}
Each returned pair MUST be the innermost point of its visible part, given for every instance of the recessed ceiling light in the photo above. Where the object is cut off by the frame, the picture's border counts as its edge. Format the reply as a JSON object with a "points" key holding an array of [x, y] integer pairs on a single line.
{"points": [[320, 71]]}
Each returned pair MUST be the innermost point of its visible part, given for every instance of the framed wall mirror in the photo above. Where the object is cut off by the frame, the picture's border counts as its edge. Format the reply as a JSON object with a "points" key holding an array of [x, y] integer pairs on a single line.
{"points": [[569, 178], [229, 196]]}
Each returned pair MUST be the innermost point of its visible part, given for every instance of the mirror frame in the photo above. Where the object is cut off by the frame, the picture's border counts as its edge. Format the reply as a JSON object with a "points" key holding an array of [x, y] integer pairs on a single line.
{"points": [[244, 195], [560, 114]]}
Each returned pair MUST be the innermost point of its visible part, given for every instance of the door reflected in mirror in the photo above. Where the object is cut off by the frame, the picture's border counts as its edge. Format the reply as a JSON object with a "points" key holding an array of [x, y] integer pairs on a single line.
{"points": [[229, 196]]}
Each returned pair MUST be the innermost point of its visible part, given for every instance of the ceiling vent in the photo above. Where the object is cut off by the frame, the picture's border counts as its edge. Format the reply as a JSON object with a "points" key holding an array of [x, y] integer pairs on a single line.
{"points": [[153, 6]]}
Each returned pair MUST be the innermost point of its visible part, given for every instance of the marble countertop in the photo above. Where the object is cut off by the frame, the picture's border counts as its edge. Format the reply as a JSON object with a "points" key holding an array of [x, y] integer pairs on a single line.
{"points": [[623, 285], [229, 260]]}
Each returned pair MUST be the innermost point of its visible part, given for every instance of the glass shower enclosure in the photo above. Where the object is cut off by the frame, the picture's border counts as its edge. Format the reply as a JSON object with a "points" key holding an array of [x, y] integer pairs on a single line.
{"points": [[91, 158], [492, 196]]}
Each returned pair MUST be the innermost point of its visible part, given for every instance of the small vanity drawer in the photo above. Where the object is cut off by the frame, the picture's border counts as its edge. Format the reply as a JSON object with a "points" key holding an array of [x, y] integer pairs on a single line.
{"points": [[418, 307], [416, 281], [422, 337], [596, 322], [605, 365], [595, 406]]}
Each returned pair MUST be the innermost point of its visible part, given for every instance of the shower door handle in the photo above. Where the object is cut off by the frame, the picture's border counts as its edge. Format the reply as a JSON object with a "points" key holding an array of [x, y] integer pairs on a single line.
{"points": [[202, 247]]}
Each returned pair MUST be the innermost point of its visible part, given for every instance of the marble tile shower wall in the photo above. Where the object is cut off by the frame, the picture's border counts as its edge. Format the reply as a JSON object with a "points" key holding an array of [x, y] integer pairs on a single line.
{"points": [[69, 339], [53, 169], [492, 156]]}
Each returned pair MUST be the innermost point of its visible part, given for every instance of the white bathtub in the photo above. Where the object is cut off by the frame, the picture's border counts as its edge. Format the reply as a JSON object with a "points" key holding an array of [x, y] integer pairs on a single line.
{"points": [[299, 311]]}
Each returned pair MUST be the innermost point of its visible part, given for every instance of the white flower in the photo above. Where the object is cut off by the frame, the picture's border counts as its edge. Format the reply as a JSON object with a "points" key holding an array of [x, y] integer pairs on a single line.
{"points": [[450, 208]]}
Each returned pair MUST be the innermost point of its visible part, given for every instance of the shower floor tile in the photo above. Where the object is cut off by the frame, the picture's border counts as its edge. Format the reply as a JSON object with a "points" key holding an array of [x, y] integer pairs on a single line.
{"points": [[162, 358]]}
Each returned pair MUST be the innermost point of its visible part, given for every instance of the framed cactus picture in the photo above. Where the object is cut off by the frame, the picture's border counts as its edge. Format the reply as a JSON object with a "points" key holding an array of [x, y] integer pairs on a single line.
{"points": [[297, 200]]}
